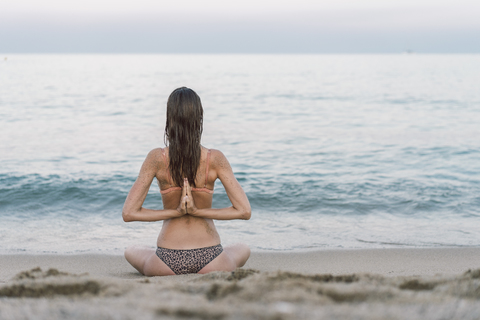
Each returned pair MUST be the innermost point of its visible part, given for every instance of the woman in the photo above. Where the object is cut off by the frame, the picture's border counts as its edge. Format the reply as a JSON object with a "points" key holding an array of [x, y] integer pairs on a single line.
{"points": [[186, 174]]}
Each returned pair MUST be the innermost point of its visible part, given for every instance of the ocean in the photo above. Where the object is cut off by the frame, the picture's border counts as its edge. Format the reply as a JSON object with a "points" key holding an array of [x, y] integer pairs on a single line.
{"points": [[333, 151]]}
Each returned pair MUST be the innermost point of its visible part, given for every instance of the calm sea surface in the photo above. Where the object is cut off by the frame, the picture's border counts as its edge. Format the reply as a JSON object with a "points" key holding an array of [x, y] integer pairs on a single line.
{"points": [[333, 151]]}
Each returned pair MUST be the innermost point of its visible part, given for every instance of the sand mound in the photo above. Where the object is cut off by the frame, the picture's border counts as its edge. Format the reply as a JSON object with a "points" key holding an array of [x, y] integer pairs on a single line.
{"points": [[244, 293], [36, 283], [37, 273]]}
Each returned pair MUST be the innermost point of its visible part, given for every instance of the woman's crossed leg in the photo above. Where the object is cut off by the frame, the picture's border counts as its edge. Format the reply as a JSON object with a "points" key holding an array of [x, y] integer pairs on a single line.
{"points": [[146, 261]]}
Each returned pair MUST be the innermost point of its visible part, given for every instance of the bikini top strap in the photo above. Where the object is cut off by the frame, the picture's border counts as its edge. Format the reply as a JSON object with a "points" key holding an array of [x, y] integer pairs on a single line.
{"points": [[169, 178], [207, 167]]}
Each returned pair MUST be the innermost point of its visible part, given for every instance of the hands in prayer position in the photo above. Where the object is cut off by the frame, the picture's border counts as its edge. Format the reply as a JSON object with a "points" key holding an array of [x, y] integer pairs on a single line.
{"points": [[187, 204]]}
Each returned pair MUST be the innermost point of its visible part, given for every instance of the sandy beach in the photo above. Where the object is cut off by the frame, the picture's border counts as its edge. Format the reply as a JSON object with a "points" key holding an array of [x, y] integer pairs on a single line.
{"points": [[436, 283]]}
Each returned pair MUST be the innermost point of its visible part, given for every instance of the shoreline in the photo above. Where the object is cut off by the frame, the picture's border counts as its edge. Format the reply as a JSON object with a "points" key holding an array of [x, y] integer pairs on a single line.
{"points": [[385, 262]]}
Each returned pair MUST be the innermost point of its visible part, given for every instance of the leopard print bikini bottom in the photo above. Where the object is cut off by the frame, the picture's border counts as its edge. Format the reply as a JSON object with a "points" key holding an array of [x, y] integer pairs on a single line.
{"points": [[188, 261]]}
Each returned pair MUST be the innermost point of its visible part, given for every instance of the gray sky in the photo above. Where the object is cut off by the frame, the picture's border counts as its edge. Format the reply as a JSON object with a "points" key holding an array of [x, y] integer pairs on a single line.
{"points": [[247, 26]]}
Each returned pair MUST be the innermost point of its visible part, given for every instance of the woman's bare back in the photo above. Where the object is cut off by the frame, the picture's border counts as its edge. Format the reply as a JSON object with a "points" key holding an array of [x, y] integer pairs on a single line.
{"points": [[187, 232]]}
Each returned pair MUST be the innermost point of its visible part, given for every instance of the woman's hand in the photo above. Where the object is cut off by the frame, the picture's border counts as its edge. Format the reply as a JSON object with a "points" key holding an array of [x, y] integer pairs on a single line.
{"points": [[240, 208], [187, 204]]}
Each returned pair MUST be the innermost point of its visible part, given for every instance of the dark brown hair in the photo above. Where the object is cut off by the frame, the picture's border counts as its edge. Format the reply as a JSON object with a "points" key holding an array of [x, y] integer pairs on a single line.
{"points": [[183, 132]]}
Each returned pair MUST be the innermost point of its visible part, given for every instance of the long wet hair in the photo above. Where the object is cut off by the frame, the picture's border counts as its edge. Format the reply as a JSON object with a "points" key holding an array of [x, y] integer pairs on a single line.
{"points": [[183, 132]]}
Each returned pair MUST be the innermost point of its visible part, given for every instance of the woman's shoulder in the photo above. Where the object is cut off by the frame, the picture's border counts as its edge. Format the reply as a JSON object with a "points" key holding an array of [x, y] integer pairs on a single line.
{"points": [[157, 153], [215, 154], [155, 156], [218, 159]]}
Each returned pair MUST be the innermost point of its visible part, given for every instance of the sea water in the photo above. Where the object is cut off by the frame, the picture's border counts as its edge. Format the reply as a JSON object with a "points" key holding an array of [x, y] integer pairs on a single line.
{"points": [[333, 151]]}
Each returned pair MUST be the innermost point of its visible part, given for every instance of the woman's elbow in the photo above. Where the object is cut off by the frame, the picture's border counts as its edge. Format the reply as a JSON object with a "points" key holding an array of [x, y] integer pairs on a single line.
{"points": [[127, 217], [247, 213]]}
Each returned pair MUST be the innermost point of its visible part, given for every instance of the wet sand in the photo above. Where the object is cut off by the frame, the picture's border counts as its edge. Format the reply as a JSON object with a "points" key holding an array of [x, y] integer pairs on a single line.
{"points": [[347, 284]]}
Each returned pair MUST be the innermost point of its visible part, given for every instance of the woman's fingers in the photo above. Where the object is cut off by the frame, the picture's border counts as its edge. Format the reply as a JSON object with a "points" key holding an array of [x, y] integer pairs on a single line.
{"points": [[187, 204], [189, 189], [184, 196], [184, 189], [190, 202], [182, 207]]}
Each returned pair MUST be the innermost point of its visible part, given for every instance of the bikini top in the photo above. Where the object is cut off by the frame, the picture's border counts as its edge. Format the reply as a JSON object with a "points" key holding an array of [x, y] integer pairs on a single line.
{"points": [[169, 177]]}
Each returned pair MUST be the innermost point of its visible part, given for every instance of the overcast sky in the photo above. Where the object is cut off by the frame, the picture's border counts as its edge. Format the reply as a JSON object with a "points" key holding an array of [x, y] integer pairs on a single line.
{"points": [[247, 26]]}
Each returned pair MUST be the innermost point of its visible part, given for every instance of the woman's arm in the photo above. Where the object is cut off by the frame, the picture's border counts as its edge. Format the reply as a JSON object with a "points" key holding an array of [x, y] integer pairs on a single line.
{"points": [[132, 209], [240, 208]]}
